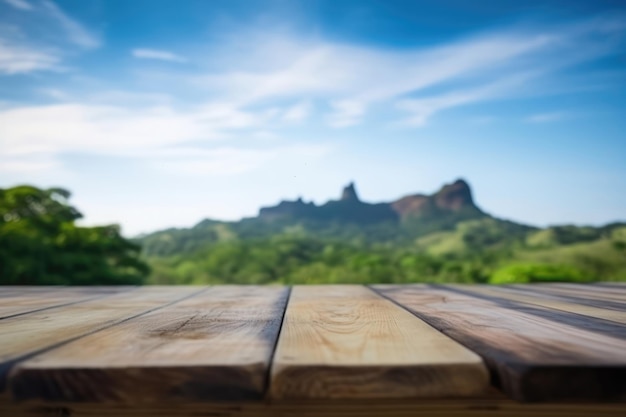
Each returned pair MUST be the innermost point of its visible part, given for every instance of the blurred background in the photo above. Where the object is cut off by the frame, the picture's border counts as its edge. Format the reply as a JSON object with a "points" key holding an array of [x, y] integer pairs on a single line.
{"points": [[242, 141]]}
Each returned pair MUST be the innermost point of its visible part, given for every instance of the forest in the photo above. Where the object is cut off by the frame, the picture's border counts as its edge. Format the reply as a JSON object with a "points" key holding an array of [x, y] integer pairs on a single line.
{"points": [[40, 243]]}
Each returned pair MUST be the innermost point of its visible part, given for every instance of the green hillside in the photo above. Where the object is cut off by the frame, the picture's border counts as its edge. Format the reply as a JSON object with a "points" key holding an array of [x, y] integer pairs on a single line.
{"points": [[442, 237]]}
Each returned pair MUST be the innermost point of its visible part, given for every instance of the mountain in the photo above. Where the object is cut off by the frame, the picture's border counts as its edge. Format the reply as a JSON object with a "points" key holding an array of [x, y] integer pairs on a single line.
{"points": [[347, 218], [451, 200], [442, 237]]}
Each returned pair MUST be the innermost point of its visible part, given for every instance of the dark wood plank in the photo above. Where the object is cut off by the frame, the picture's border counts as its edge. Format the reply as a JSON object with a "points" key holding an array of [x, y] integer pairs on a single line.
{"points": [[543, 299], [536, 306], [581, 294], [345, 341], [532, 358], [214, 346], [23, 300], [23, 336], [583, 290]]}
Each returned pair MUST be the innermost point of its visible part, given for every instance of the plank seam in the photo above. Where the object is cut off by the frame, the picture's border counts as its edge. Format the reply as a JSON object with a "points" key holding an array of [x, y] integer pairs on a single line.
{"points": [[493, 376], [66, 304], [268, 373], [557, 298], [6, 367], [606, 304], [600, 326]]}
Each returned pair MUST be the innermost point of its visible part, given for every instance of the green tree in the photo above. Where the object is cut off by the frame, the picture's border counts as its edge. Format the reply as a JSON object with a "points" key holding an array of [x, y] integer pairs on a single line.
{"points": [[40, 243]]}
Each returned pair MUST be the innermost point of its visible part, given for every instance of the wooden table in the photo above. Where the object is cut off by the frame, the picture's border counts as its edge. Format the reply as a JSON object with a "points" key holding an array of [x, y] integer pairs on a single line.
{"points": [[340, 350]]}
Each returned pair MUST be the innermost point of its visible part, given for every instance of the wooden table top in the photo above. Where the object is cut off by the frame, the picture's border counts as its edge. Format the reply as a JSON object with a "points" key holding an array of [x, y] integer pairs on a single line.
{"points": [[269, 350]]}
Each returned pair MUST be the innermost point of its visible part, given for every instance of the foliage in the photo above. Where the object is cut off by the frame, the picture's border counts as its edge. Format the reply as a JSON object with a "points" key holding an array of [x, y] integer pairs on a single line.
{"points": [[526, 273], [480, 250], [40, 243]]}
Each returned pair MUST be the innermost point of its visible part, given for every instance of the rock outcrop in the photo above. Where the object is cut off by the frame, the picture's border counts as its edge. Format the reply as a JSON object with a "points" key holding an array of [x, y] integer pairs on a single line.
{"points": [[349, 193], [450, 200]]}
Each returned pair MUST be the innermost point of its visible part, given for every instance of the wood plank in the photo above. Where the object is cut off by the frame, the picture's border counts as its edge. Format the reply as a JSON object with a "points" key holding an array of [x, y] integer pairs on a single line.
{"points": [[573, 295], [214, 346], [532, 358], [588, 291], [537, 298], [23, 336], [345, 341], [20, 301]]}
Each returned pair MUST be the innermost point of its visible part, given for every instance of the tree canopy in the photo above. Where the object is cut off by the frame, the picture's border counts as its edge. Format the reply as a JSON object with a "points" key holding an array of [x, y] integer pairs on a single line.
{"points": [[41, 244]]}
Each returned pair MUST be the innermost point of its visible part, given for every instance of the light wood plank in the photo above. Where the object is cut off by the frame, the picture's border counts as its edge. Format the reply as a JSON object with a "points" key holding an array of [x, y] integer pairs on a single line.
{"points": [[214, 346], [25, 335], [535, 359], [18, 301], [345, 341], [537, 298]]}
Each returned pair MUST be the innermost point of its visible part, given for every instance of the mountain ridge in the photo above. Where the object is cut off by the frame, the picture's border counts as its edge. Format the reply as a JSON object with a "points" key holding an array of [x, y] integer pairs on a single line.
{"points": [[453, 197], [440, 237], [402, 220]]}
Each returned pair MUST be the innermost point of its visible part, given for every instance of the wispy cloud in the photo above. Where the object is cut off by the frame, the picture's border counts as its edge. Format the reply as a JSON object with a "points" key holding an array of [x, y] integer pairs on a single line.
{"points": [[546, 117], [20, 4], [298, 112], [16, 59], [250, 96], [346, 113], [75, 31], [42, 38], [422, 109], [230, 160], [185, 142], [157, 54], [351, 79]]}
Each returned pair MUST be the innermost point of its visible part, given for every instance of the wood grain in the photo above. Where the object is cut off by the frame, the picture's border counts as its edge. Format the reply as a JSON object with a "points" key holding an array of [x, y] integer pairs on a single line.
{"points": [[611, 298], [344, 342], [28, 334], [531, 358], [16, 301], [537, 298], [214, 346]]}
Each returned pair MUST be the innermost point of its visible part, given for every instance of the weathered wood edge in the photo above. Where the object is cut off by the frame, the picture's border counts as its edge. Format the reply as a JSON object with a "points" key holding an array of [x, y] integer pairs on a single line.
{"points": [[67, 303], [201, 383], [567, 382], [7, 367], [205, 383]]}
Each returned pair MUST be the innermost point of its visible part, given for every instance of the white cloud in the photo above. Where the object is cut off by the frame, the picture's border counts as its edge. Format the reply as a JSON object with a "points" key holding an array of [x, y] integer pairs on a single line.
{"points": [[351, 79], [20, 53], [55, 94], [96, 128], [75, 31], [157, 54], [248, 96], [298, 112], [346, 112], [231, 160], [422, 109], [20, 4], [29, 164], [16, 59], [545, 117], [177, 141]]}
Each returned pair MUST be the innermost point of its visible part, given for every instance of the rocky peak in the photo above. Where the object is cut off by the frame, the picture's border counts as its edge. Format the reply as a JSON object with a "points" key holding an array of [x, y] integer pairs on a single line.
{"points": [[454, 196], [349, 193]]}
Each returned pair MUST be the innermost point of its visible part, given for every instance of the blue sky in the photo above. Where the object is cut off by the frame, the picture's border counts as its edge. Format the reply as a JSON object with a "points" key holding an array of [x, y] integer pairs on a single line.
{"points": [[160, 113]]}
